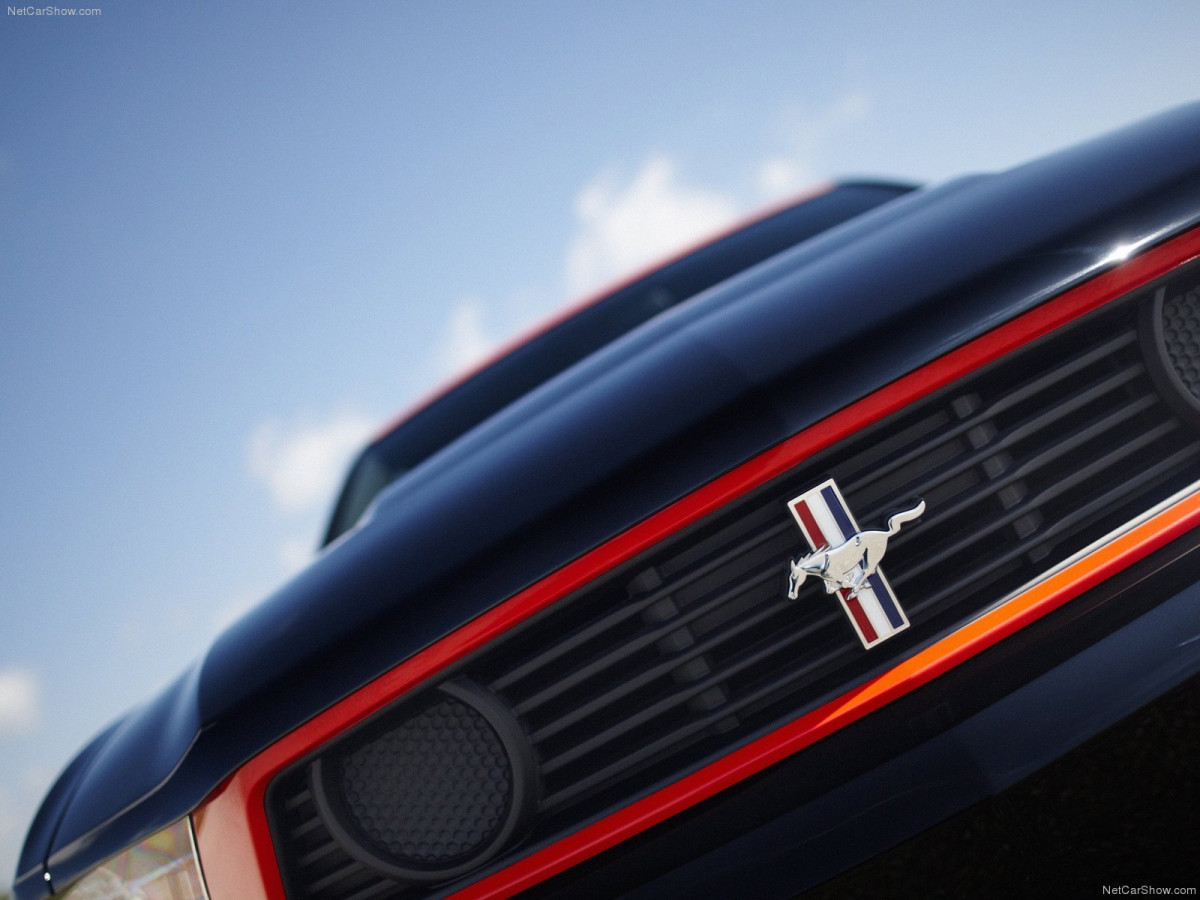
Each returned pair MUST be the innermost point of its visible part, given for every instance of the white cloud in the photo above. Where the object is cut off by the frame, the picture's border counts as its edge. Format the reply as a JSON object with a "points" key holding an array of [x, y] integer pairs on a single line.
{"points": [[782, 175], [623, 226], [296, 553], [465, 341], [18, 702], [808, 136], [623, 223], [302, 463]]}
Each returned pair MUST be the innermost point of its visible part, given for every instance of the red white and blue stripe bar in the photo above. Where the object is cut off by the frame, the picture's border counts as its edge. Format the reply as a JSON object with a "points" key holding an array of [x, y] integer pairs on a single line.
{"points": [[826, 521]]}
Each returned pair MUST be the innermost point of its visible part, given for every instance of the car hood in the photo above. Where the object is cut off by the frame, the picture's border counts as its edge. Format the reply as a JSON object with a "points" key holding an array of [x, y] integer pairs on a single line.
{"points": [[659, 412]]}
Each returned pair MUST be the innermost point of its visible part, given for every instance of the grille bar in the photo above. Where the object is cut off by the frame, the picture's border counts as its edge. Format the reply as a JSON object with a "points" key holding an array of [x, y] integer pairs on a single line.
{"points": [[634, 761], [621, 690], [1099, 504], [1037, 424], [1049, 494], [623, 614], [643, 640], [667, 704], [1017, 396]]}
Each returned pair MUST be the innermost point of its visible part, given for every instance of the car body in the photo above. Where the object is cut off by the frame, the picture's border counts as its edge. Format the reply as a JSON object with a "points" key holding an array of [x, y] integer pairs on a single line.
{"points": [[549, 646]]}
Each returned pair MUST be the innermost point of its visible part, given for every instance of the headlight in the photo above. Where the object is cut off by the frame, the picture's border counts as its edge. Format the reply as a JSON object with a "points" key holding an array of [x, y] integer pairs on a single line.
{"points": [[162, 867]]}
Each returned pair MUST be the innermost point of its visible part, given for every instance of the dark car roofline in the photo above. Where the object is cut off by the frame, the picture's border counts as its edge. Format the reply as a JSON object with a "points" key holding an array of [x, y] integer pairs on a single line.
{"points": [[581, 328], [573, 308]]}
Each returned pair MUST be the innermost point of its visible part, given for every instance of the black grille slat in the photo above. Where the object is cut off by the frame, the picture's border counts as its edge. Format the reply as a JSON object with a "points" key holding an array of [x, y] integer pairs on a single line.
{"points": [[1031, 427], [631, 762], [624, 613], [321, 851], [300, 799], [301, 830], [1005, 403], [1024, 469], [1144, 476], [1118, 494], [644, 640], [614, 694], [1048, 495], [692, 648], [672, 702], [348, 871]]}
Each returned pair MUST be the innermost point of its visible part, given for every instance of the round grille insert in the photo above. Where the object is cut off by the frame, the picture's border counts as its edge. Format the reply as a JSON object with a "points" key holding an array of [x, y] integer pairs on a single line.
{"points": [[430, 795], [1171, 342], [1181, 338], [433, 790]]}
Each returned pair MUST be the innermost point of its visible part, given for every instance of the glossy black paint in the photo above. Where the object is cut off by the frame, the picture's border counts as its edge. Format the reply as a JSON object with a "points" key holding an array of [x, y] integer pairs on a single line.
{"points": [[655, 414]]}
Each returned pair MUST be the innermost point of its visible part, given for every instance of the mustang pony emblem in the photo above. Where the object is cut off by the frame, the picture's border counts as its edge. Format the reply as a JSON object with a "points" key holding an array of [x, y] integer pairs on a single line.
{"points": [[848, 565], [847, 561]]}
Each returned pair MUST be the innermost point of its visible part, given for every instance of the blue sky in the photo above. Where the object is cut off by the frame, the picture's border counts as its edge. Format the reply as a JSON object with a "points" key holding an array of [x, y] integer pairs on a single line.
{"points": [[236, 239]]}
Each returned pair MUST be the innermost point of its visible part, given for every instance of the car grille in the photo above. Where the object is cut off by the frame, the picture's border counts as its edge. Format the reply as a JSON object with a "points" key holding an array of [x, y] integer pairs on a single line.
{"points": [[693, 648]]}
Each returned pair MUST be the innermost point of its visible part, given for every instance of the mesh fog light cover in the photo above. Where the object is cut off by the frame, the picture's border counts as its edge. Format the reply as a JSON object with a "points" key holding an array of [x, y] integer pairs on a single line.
{"points": [[434, 795], [1171, 339]]}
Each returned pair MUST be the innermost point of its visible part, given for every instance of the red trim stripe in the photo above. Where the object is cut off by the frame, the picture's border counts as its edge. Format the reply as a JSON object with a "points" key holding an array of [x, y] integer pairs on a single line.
{"points": [[816, 535], [860, 616]]}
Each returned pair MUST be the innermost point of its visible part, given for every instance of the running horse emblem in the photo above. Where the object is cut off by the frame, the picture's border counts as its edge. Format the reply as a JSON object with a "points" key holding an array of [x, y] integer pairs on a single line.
{"points": [[848, 566]]}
